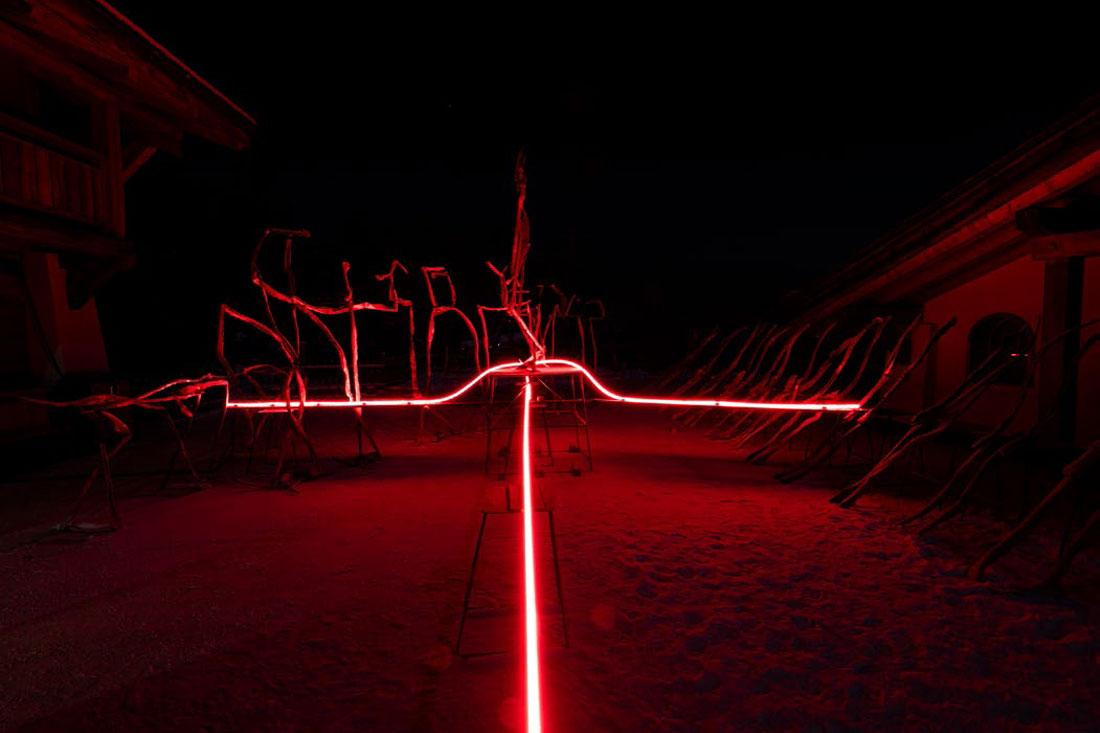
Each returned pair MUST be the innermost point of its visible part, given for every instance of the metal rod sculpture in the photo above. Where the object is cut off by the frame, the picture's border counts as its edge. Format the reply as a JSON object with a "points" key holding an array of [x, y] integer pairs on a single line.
{"points": [[294, 382], [517, 306], [440, 273], [560, 310], [584, 314], [931, 422], [875, 398], [705, 370], [736, 367], [1081, 471], [788, 431], [767, 385], [790, 386], [996, 445], [822, 384], [590, 318], [796, 386], [696, 348], [104, 409], [993, 443], [718, 382]]}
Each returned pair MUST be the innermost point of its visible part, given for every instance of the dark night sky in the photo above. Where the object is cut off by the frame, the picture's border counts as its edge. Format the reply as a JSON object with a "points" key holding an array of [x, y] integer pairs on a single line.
{"points": [[659, 171]]}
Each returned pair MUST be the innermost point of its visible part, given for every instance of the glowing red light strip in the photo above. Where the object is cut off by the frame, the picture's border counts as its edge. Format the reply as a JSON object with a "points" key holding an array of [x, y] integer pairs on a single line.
{"points": [[571, 366], [827, 406], [530, 601], [531, 632], [399, 402]]}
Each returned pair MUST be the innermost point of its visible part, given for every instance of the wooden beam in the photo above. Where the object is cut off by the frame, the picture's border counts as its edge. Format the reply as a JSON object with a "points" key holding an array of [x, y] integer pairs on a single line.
{"points": [[936, 276], [22, 232], [107, 132], [134, 156], [37, 135], [50, 42], [84, 275], [153, 129], [1063, 290], [1047, 169], [1061, 246], [1074, 213]]}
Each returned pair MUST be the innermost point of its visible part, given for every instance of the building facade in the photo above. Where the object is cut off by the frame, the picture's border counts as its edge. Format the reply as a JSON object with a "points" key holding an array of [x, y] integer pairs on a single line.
{"points": [[86, 98]]}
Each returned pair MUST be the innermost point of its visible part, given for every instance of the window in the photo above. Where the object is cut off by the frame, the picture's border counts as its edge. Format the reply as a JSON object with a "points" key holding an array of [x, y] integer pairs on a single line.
{"points": [[1007, 338]]}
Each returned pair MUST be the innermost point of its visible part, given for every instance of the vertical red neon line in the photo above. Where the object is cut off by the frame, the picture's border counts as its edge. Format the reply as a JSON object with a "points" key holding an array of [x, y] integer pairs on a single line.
{"points": [[531, 617]]}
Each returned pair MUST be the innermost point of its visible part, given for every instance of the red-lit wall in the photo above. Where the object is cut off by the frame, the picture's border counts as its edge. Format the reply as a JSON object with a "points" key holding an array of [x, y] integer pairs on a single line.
{"points": [[1014, 288]]}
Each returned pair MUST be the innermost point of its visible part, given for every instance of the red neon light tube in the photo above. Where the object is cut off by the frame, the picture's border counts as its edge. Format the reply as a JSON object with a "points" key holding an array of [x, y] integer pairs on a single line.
{"points": [[570, 366], [732, 404], [530, 600], [392, 402]]}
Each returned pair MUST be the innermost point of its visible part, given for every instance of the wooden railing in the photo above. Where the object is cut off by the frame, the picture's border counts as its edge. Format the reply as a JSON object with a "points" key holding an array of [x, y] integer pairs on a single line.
{"points": [[46, 173]]}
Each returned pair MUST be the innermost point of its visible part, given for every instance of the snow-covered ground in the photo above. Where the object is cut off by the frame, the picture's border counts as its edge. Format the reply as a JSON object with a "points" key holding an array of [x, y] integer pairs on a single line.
{"points": [[699, 595]]}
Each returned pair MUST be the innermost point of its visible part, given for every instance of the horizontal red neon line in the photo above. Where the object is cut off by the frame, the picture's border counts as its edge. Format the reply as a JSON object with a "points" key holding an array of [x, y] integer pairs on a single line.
{"points": [[398, 402], [521, 371], [828, 406]]}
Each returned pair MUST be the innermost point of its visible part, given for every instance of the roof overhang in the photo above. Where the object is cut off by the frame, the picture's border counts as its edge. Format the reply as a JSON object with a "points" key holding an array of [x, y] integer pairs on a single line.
{"points": [[90, 46], [972, 229]]}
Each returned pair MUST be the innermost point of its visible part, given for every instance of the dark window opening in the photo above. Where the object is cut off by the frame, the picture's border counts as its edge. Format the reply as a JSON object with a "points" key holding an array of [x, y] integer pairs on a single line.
{"points": [[1006, 338], [64, 114], [46, 106]]}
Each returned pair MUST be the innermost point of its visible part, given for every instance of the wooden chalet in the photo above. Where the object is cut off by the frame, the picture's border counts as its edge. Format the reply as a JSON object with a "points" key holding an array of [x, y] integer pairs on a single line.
{"points": [[86, 97]]}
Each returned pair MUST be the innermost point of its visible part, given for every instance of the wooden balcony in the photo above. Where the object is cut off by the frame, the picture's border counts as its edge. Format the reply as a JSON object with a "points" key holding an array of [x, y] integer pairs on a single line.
{"points": [[48, 174]]}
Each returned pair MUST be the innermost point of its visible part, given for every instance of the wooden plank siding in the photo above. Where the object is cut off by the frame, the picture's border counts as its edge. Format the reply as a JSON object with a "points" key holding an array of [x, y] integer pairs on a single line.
{"points": [[34, 176]]}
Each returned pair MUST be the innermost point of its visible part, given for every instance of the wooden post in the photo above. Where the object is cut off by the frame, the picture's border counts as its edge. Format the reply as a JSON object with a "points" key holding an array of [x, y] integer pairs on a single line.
{"points": [[108, 142], [1063, 287], [931, 367]]}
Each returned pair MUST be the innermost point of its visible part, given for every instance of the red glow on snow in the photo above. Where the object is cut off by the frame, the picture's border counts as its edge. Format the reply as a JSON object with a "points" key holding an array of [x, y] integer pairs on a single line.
{"points": [[536, 367], [530, 600]]}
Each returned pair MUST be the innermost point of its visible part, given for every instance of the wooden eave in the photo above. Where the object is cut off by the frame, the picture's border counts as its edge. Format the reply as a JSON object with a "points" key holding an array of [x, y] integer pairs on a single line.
{"points": [[90, 46], [971, 229]]}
